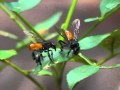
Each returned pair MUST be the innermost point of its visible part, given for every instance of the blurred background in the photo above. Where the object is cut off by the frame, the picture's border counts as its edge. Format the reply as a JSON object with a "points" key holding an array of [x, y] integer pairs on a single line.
{"points": [[103, 80]]}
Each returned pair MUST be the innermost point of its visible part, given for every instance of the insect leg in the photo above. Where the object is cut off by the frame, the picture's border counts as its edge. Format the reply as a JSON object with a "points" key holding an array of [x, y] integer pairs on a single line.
{"points": [[33, 55], [69, 52], [63, 44], [50, 55], [38, 59], [76, 50]]}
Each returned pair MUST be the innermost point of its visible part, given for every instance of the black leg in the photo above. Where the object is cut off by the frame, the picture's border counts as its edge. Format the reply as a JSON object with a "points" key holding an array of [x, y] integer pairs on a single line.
{"points": [[63, 44], [50, 55], [41, 56], [76, 51], [33, 55], [69, 52], [39, 59]]}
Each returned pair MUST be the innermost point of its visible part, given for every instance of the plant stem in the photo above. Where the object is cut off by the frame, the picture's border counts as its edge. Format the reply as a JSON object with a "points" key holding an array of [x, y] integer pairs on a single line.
{"points": [[25, 73], [86, 59], [108, 58], [110, 67], [100, 20], [58, 74], [69, 16], [29, 25], [66, 24], [12, 16], [2, 66]]}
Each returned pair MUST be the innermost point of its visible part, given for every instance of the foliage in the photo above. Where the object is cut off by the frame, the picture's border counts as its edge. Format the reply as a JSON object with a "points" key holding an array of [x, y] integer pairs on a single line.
{"points": [[55, 68], [5, 54], [80, 73], [106, 6], [22, 5]]}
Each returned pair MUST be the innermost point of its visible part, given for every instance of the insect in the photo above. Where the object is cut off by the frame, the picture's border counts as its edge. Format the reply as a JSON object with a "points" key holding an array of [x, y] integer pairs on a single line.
{"points": [[71, 41], [38, 48]]}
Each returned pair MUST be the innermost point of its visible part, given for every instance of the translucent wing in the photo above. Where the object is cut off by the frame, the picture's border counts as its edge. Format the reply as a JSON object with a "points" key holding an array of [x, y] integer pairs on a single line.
{"points": [[30, 35], [76, 26]]}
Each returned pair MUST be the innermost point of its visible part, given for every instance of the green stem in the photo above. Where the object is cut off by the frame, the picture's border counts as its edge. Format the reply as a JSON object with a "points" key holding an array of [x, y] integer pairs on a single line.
{"points": [[25, 73], [107, 58], [29, 25], [66, 24], [85, 58], [101, 19], [12, 16], [60, 74], [2, 66], [110, 67], [69, 16], [57, 77]]}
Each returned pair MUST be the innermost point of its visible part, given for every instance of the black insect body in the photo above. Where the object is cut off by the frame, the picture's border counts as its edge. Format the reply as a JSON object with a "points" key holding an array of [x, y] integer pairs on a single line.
{"points": [[46, 48], [41, 47], [71, 41], [71, 44], [38, 48]]}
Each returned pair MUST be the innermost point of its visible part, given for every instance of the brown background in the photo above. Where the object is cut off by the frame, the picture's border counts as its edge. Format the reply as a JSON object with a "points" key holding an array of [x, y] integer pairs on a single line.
{"points": [[104, 80]]}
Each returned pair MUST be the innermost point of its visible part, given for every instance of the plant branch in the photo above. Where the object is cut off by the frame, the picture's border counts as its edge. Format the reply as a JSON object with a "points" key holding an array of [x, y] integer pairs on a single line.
{"points": [[2, 66], [25, 73], [28, 24], [86, 59], [57, 77], [66, 24], [110, 67], [100, 20], [12, 16], [108, 58]]}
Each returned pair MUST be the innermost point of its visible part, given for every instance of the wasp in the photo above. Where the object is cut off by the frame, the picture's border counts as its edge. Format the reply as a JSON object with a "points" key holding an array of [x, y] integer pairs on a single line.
{"points": [[38, 48], [71, 40]]}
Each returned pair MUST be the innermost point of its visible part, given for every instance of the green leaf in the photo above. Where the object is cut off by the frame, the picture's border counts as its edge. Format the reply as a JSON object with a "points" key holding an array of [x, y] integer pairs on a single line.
{"points": [[91, 19], [80, 73], [58, 58], [92, 41], [9, 35], [22, 5], [37, 72], [112, 42], [5, 54], [107, 5], [47, 24]]}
